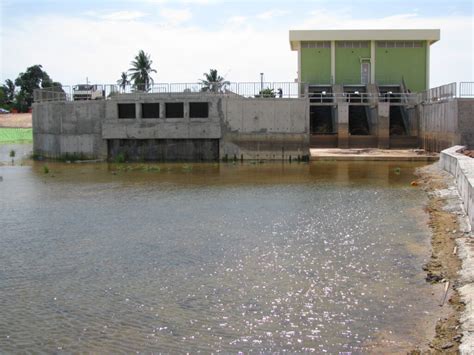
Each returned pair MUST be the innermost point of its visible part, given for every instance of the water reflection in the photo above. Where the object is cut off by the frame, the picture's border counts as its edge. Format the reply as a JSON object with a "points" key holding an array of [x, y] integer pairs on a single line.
{"points": [[187, 257]]}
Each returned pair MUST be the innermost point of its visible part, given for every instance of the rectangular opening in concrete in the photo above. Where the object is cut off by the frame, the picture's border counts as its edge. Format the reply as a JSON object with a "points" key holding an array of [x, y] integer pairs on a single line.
{"points": [[321, 120], [151, 110], [397, 121], [198, 109], [358, 120], [163, 149], [174, 110], [126, 111]]}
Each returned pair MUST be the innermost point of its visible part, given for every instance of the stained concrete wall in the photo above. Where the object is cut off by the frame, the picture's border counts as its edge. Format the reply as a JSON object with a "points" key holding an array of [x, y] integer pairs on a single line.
{"points": [[61, 128], [249, 128], [265, 128], [446, 123]]}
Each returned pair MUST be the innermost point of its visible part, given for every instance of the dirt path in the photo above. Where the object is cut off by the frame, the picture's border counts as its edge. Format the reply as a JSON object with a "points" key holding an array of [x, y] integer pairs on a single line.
{"points": [[16, 120], [444, 264]]}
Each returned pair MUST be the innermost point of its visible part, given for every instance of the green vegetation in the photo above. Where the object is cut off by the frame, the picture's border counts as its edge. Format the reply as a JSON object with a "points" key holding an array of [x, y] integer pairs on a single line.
{"points": [[9, 135], [12, 153], [140, 72], [45, 169], [123, 81], [213, 82], [120, 158], [33, 78], [266, 93], [72, 157]]}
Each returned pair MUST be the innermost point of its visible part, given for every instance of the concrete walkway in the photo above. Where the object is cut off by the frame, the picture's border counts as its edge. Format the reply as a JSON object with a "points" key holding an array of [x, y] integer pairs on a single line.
{"points": [[373, 154]]}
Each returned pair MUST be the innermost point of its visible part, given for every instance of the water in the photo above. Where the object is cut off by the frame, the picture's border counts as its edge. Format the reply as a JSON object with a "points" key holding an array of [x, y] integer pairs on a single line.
{"points": [[266, 257]]}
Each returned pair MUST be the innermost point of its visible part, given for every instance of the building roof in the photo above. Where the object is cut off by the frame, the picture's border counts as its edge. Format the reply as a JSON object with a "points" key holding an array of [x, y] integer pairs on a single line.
{"points": [[431, 35]]}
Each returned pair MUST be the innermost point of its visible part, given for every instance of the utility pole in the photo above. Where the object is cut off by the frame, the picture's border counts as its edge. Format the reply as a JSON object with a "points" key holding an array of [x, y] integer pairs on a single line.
{"points": [[261, 82]]}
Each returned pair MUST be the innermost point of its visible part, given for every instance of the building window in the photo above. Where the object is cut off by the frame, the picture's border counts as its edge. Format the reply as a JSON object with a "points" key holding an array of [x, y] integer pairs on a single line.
{"points": [[151, 110], [316, 44], [126, 111], [352, 44], [198, 109], [174, 110], [399, 44]]}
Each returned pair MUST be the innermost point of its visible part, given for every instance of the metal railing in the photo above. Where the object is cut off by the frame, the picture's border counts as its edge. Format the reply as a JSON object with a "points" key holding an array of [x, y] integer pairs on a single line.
{"points": [[439, 93], [244, 89], [466, 89]]}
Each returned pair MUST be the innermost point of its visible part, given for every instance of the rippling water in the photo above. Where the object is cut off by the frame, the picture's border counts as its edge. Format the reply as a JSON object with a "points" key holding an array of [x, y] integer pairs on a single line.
{"points": [[173, 257]]}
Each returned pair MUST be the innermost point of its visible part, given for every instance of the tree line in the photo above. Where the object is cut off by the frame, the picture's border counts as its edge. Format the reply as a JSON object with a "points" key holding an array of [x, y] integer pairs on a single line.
{"points": [[18, 94]]}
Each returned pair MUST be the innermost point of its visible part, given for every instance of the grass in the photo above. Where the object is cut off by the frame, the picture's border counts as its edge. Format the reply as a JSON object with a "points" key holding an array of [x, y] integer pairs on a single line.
{"points": [[8, 135]]}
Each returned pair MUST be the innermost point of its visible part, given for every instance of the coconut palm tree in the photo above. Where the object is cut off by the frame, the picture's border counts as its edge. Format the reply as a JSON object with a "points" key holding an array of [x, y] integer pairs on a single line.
{"points": [[213, 82], [123, 81], [140, 72]]}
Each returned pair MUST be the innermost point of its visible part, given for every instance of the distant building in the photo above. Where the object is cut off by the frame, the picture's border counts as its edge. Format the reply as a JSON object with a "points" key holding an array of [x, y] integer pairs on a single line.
{"points": [[360, 57]]}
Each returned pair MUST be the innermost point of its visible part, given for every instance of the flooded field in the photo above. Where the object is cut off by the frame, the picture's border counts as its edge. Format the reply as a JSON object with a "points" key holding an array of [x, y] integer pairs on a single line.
{"points": [[322, 257]]}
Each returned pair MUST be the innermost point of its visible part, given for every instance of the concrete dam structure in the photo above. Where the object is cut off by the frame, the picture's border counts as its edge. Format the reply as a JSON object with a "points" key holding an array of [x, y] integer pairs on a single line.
{"points": [[212, 126]]}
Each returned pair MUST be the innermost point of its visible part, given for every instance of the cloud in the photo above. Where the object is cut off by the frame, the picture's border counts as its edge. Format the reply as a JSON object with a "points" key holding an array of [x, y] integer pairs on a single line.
{"points": [[174, 17], [101, 50], [122, 16], [267, 15], [237, 20]]}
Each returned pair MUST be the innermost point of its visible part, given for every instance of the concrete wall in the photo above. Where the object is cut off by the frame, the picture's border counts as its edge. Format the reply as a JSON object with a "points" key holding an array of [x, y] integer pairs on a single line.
{"points": [[446, 123], [462, 168], [265, 128], [61, 128], [248, 128]]}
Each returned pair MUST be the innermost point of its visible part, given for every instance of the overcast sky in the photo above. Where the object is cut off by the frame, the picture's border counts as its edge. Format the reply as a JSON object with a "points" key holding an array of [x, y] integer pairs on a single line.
{"points": [[98, 39]]}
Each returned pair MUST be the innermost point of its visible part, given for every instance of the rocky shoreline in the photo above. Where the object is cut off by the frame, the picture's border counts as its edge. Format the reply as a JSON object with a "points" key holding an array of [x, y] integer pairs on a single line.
{"points": [[451, 231]]}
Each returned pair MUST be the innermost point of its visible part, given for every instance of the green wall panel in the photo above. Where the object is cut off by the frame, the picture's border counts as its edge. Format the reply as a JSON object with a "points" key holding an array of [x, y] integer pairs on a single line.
{"points": [[316, 65], [394, 63], [348, 64]]}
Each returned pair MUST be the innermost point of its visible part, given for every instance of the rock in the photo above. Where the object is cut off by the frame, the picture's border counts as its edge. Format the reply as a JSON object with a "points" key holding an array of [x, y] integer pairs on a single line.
{"points": [[447, 345]]}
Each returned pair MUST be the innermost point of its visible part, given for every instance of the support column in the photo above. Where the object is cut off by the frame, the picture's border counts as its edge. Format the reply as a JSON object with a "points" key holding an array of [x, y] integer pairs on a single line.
{"points": [[372, 62], [343, 125], [138, 110], [383, 125], [427, 65], [333, 62]]}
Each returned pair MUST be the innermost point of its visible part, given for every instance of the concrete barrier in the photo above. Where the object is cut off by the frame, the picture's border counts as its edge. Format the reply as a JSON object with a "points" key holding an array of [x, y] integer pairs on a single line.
{"points": [[462, 168]]}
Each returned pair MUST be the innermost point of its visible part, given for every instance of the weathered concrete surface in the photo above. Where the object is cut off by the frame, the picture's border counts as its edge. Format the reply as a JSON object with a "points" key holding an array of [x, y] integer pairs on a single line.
{"points": [[69, 128], [444, 124], [461, 168], [383, 125], [372, 154], [342, 121], [265, 128]]}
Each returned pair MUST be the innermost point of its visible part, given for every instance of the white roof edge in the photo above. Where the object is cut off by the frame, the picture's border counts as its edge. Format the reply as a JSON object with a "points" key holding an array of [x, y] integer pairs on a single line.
{"points": [[431, 35]]}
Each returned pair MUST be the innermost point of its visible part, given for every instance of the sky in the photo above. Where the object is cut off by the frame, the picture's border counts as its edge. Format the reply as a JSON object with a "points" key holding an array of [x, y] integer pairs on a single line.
{"points": [[74, 40]]}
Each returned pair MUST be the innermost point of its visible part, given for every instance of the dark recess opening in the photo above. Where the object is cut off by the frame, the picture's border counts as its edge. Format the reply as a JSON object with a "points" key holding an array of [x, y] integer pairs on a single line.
{"points": [[397, 126], [151, 110], [198, 109], [320, 120], [358, 121], [174, 110], [126, 111]]}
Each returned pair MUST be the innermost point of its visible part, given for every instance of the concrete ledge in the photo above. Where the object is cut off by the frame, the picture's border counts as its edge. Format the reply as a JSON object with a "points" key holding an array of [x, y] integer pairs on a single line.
{"points": [[461, 168], [371, 154]]}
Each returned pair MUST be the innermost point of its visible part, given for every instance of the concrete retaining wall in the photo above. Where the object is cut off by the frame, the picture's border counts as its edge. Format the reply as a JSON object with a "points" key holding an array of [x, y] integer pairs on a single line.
{"points": [[265, 128], [462, 168], [446, 123], [61, 128], [245, 128]]}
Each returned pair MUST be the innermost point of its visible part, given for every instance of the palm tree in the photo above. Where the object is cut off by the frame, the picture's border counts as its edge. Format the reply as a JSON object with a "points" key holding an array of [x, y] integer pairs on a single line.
{"points": [[213, 82], [123, 81], [9, 90], [140, 72]]}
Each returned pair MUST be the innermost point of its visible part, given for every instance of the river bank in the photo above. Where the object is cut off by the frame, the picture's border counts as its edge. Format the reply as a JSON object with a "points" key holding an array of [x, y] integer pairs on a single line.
{"points": [[449, 226]]}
